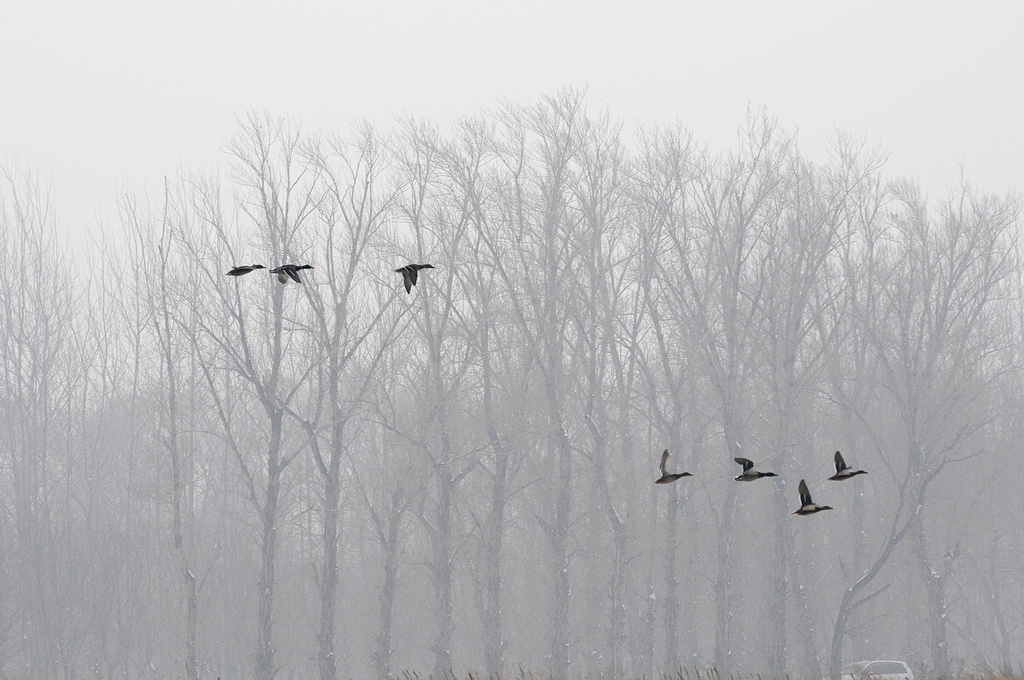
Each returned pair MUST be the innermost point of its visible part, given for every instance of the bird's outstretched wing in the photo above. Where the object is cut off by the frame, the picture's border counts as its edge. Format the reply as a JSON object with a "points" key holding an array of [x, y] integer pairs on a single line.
{"points": [[805, 495], [840, 463]]}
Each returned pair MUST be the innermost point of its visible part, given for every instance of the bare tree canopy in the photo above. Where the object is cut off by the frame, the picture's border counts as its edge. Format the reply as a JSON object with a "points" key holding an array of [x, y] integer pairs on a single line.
{"points": [[206, 473]]}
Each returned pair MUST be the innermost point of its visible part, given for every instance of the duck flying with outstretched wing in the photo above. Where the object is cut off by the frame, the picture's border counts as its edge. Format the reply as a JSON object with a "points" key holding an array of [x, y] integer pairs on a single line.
{"points": [[409, 274]]}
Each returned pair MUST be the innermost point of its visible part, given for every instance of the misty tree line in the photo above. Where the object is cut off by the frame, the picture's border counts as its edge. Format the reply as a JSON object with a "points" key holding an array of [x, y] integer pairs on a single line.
{"points": [[208, 476]]}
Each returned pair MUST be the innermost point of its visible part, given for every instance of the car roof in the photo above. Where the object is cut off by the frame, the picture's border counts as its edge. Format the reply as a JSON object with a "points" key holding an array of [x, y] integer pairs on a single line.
{"points": [[857, 666]]}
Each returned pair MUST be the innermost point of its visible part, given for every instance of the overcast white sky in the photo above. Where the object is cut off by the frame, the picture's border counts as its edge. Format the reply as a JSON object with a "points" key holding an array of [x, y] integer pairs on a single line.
{"points": [[100, 95]]}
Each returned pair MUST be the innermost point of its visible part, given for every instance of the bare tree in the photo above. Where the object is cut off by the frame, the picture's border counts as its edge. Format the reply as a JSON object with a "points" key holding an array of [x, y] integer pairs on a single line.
{"points": [[799, 334], [482, 447], [931, 339], [438, 369], [714, 283], [670, 358], [159, 296], [609, 323], [532, 252], [39, 388], [250, 330], [390, 484], [502, 373], [346, 319]]}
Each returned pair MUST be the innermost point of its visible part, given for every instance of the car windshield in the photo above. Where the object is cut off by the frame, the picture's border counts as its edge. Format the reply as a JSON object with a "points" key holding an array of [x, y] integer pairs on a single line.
{"points": [[855, 667]]}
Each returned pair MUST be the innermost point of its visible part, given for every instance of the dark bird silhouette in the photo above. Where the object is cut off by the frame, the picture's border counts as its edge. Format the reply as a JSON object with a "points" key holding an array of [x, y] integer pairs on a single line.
{"points": [[749, 473], [666, 477], [807, 506], [245, 269], [409, 274], [290, 271], [844, 471]]}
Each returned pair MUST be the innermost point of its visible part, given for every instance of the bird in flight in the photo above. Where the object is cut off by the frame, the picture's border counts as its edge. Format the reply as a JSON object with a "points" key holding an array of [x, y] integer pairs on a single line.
{"points": [[807, 506], [749, 473], [245, 269], [666, 476], [409, 274], [290, 271], [844, 471]]}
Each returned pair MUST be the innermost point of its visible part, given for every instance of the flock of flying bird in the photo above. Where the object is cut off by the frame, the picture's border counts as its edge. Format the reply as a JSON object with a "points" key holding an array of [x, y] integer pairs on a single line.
{"points": [[750, 473], [291, 271], [410, 273]]}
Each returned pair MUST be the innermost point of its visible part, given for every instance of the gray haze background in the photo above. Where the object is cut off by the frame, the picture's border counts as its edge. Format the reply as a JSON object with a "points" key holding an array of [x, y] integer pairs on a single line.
{"points": [[103, 94], [724, 232]]}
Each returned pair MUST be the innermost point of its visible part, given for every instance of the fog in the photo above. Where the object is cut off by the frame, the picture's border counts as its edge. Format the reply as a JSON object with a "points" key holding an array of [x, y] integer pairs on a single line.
{"points": [[210, 476], [102, 95]]}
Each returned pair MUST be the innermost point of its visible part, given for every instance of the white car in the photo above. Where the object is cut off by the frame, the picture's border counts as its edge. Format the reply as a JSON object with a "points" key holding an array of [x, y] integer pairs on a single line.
{"points": [[877, 670]]}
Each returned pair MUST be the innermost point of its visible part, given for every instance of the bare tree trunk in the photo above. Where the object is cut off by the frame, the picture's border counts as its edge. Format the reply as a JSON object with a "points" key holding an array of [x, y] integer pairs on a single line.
{"points": [[494, 644], [441, 568], [617, 578], [329, 576], [649, 614], [812, 668], [178, 499], [558, 537], [722, 653], [936, 602], [385, 638], [778, 594], [264, 657], [990, 586], [493, 639], [489, 596], [671, 616]]}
